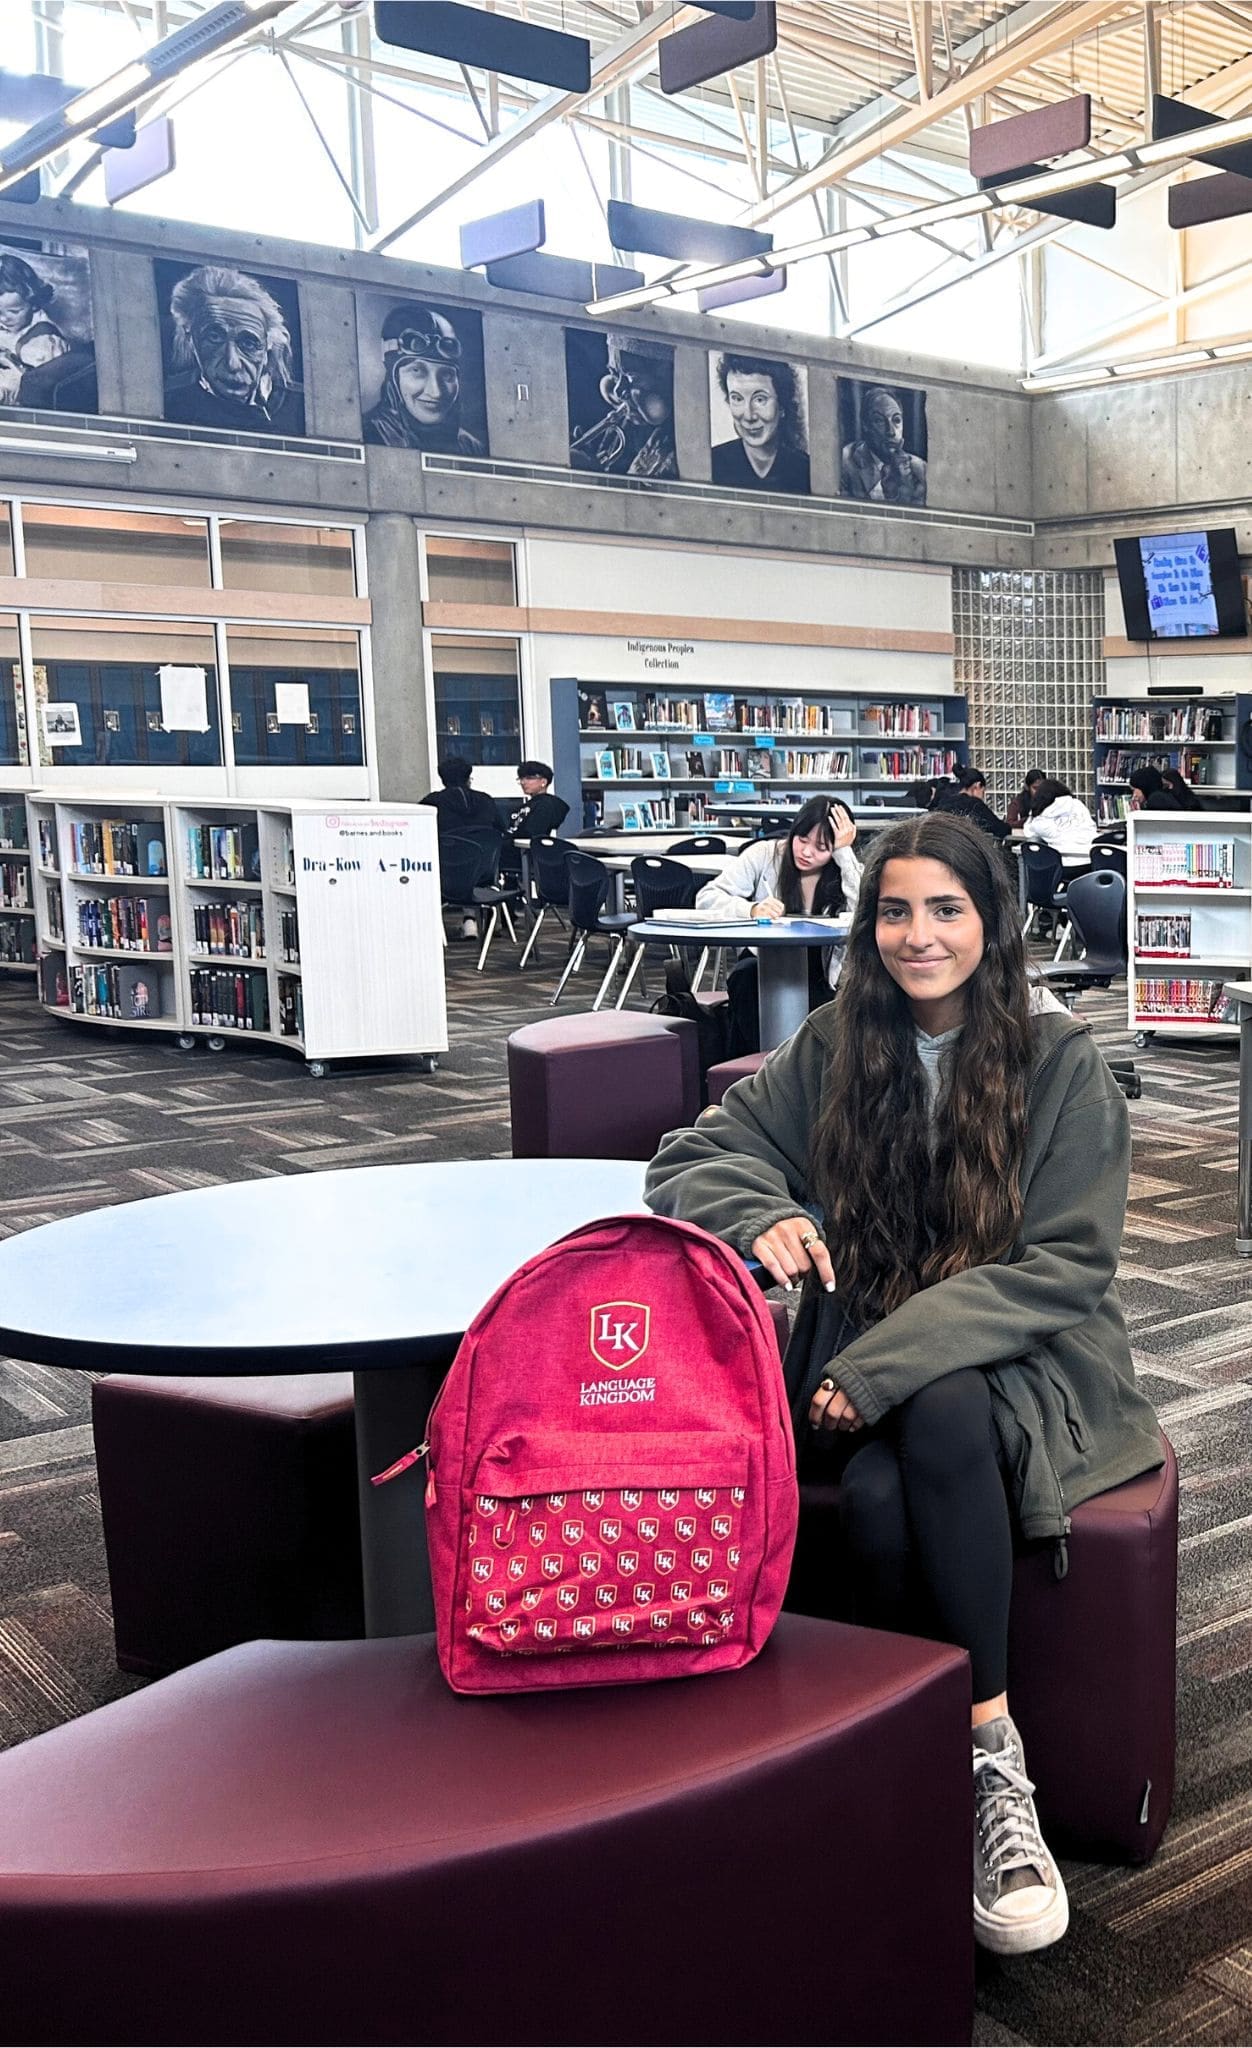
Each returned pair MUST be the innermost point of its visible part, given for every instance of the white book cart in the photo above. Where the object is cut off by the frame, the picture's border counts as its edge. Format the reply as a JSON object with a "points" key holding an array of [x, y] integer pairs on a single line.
{"points": [[1189, 918]]}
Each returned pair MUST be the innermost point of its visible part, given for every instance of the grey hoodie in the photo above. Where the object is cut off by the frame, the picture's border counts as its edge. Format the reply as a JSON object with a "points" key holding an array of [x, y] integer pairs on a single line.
{"points": [[1044, 1321]]}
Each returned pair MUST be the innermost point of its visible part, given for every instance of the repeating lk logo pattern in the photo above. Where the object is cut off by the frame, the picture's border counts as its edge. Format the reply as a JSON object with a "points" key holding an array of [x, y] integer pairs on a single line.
{"points": [[604, 1568]]}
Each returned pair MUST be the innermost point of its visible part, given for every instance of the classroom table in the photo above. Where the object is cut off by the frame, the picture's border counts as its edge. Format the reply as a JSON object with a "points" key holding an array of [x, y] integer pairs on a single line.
{"points": [[377, 1270], [782, 958], [608, 845], [1240, 993]]}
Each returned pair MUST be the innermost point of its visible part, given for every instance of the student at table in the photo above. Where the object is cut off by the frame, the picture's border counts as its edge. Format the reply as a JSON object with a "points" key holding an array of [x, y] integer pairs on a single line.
{"points": [[1060, 819], [540, 815], [1019, 806], [943, 1172], [465, 813], [810, 871], [967, 798], [1180, 789], [1150, 792]]}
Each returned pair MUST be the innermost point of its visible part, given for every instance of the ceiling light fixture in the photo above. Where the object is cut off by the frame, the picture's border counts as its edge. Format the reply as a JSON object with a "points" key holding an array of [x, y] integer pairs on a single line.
{"points": [[13, 444]]}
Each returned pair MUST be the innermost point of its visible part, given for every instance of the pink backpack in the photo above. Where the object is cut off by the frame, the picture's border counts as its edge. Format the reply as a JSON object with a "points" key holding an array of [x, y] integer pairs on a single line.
{"points": [[611, 1493]]}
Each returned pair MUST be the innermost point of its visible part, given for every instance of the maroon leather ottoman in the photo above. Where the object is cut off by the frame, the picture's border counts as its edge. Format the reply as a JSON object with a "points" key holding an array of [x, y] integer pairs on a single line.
{"points": [[727, 1072], [601, 1086], [1091, 1659], [318, 1842], [230, 1511]]}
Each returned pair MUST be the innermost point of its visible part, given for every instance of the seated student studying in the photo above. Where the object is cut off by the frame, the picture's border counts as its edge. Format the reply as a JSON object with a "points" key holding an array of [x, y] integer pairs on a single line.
{"points": [[940, 1164], [808, 871], [1061, 820], [465, 813]]}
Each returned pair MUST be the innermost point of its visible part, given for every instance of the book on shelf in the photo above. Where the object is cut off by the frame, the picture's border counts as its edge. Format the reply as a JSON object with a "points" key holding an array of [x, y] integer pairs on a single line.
{"points": [[54, 983], [622, 714], [1163, 937], [896, 720], [17, 941], [53, 910], [836, 767], [660, 765], [593, 710], [1120, 763], [128, 923], [905, 764], [13, 837], [1183, 999], [1185, 863], [290, 1008], [114, 846], [47, 842], [606, 765], [230, 999], [99, 988], [223, 853], [1159, 722], [15, 884], [760, 761], [235, 929], [289, 935], [719, 710]]}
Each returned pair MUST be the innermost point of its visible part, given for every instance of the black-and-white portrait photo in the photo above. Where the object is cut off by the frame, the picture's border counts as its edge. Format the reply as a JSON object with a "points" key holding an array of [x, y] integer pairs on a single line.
{"points": [[47, 338], [883, 445], [758, 413], [422, 379], [621, 403], [230, 349]]}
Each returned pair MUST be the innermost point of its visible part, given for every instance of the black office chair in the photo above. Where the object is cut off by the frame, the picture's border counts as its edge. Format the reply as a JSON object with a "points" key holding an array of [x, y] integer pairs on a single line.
{"points": [[589, 881], [1096, 903], [1045, 888], [469, 882], [549, 886], [660, 884], [707, 842], [1109, 856]]}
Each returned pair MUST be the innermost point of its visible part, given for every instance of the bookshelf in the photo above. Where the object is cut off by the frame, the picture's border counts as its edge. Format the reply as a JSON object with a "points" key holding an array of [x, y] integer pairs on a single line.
{"points": [[648, 756], [1189, 920], [1197, 735], [17, 887], [315, 930]]}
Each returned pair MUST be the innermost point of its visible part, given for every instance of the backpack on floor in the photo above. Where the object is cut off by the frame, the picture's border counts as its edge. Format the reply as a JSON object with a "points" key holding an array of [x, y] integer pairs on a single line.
{"points": [[712, 1021], [611, 1494]]}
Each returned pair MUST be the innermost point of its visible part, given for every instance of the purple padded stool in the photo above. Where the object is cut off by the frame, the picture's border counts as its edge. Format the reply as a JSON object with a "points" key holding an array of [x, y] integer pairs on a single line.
{"points": [[230, 1511], [601, 1086], [319, 1842], [727, 1072], [1091, 1659]]}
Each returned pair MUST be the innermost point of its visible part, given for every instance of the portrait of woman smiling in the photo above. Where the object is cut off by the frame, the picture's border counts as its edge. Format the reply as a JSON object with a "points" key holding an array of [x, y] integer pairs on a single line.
{"points": [[766, 403]]}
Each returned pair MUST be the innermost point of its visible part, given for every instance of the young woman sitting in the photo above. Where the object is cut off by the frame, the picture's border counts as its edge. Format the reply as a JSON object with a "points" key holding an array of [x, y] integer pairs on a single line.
{"points": [[943, 1170], [811, 871], [1060, 819]]}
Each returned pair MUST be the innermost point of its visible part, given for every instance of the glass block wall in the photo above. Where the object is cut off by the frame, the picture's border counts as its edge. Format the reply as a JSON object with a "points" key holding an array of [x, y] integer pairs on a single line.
{"points": [[1029, 654]]}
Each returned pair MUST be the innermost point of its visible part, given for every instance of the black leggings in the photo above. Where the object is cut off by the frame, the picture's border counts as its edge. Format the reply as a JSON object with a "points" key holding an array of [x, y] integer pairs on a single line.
{"points": [[926, 1517]]}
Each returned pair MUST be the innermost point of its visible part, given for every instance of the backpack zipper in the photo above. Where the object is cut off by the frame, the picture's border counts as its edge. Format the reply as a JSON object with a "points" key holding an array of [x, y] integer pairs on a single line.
{"points": [[412, 1457]]}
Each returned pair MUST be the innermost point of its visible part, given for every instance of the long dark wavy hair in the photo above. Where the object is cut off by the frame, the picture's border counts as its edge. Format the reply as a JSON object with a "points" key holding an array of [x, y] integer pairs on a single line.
{"points": [[824, 815], [901, 1211]]}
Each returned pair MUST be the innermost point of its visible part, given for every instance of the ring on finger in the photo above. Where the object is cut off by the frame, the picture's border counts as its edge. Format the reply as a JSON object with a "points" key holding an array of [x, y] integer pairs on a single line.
{"points": [[810, 1237]]}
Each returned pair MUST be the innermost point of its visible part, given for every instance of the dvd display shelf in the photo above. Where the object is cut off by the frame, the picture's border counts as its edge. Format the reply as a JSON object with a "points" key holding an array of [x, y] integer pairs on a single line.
{"points": [[660, 756], [1200, 736], [289, 925], [1189, 921]]}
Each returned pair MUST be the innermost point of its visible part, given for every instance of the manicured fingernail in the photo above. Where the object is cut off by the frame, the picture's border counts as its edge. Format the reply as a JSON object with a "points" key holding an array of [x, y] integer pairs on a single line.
{"points": [[830, 1287], [787, 1285]]}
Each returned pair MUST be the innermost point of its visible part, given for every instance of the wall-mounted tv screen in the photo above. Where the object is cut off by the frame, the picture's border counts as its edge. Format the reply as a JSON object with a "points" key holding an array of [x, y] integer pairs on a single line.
{"points": [[1181, 586]]}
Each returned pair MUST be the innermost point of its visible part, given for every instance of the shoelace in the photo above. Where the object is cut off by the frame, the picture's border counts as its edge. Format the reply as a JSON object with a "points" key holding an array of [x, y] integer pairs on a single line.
{"points": [[1006, 1824]]}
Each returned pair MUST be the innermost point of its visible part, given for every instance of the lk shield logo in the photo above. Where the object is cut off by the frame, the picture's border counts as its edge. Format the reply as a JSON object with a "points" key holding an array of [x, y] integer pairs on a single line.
{"points": [[502, 1534], [705, 1496], [589, 1563], [585, 1625], [495, 1603], [649, 1528], [509, 1630], [606, 1596], [572, 1532], [531, 1598], [487, 1505], [732, 1559], [628, 1563], [610, 1532], [551, 1566], [680, 1592], [593, 1500], [718, 1588], [623, 1624], [517, 1567], [538, 1533], [483, 1567], [644, 1594], [669, 1497], [619, 1333], [698, 1617], [702, 1559], [545, 1631], [666, 1560], [722, 1526], [685, 1527], [632, 1497], [567, 1597], [738, 1495], [659, 1619]]}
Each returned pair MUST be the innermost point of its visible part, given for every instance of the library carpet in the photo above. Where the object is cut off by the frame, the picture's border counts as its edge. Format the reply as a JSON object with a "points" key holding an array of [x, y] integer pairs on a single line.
{"points": [[1160, 1955]]}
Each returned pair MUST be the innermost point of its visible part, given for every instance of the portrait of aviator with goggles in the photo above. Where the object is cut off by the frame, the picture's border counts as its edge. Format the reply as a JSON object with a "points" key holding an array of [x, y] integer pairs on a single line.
{"points": [[428, 375]]}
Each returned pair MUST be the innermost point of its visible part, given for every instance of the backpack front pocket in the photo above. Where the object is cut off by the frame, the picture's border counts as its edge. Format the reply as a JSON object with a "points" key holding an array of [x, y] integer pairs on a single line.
{"points": [[582, 1542]]}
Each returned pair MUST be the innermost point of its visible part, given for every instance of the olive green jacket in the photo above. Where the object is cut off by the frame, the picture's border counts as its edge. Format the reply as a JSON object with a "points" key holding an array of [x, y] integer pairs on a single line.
{"points": [[1044, 1321]]}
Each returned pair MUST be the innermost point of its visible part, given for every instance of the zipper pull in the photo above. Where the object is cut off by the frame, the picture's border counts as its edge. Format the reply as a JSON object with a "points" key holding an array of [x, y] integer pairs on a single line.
{"points": [[401, 1465], [1060, 1553]]}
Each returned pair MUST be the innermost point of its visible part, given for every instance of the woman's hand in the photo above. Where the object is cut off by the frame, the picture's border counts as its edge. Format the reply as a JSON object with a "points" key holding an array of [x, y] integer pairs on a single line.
{"points": [[830, 1408], [793, 1247], [844, 827], [767, 910]]}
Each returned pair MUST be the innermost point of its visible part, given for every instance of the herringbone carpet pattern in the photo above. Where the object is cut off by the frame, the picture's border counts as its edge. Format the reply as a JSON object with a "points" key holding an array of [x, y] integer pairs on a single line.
{"points": [[1162, 1955]]}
